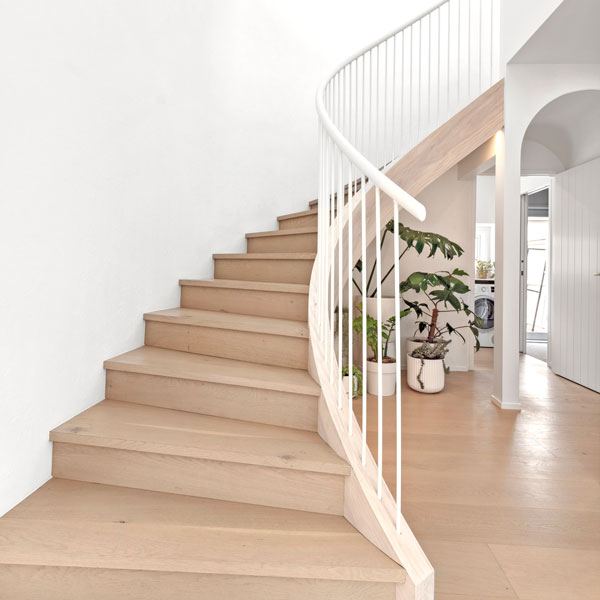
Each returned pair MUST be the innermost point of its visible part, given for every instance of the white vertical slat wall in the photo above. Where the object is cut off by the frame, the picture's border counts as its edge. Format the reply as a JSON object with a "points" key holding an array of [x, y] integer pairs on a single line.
{"points": [[574, 285]]}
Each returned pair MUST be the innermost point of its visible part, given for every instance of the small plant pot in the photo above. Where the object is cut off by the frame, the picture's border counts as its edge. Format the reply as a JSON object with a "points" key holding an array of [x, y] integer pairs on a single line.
{"points": [[388, 378], [430, 379], [346, 382], [414, 343]]}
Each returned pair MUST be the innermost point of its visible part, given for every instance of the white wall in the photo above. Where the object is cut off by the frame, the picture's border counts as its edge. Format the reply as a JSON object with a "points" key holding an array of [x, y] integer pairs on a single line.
{"points": [[137, 139], [519, 20], [450, 205], [486, 198]]}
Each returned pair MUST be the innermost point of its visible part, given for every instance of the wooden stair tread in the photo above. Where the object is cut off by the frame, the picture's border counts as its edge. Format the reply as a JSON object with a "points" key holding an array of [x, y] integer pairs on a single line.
{"points": [[137, 427], [268, 256], [185, 365], [284, 232], [76, 524], [259, 286], [302, 213], [221, 320]]}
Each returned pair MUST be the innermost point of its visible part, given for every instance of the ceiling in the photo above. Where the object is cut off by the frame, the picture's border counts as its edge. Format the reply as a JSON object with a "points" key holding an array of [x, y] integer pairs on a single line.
{"points": [[569, 36], [569, 127]]}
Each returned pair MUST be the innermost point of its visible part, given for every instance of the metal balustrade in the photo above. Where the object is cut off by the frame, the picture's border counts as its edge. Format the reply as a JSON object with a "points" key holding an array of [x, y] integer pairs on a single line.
{"points": [[373, 109]]}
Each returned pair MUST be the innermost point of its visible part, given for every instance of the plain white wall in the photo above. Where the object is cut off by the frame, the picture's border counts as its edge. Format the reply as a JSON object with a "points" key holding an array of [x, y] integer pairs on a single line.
{"points": [[519, 20], [486, 198], [137, 139]]}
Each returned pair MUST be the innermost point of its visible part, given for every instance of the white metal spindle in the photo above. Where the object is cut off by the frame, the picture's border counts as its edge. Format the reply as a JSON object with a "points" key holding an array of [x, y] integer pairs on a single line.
{"points": [[379, 347], [350, 290], [340, 245], [398, 369], [420, 61], [439, 65], [469, 11], [448, 107], [480, 45], [492, 10], [429, 77], [363, 286]]}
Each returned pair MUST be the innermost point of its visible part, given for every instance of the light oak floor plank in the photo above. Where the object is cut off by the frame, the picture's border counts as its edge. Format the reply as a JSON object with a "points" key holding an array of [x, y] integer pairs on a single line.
{"points": [[474, 476], [551, 573]]}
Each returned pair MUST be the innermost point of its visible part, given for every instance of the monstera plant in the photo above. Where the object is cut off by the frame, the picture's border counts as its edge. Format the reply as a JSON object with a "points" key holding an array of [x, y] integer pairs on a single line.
{"points": [[442, 291], [419, 241]]}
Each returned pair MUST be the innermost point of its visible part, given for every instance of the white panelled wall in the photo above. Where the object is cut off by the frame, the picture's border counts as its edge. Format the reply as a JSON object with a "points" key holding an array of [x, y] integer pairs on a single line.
{"points": [[575, 281]]}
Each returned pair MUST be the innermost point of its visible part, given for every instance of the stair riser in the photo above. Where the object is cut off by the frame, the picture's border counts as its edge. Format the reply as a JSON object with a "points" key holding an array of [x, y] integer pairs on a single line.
{"points": [[277, 305], [302, 242], [267, 486], [277, 350], [271, 407], [271, 270], [32, 582], [299, 222]]}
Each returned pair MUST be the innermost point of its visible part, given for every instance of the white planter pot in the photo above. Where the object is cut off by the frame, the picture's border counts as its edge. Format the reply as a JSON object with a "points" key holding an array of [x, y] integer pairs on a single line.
{"points": [[388, 310], [388, 378], [346, 383], [433, 375], [414, 343]]}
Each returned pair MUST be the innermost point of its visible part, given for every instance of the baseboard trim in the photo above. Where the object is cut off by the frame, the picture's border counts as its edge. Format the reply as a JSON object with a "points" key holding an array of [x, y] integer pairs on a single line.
{"points": [[505, 405]]}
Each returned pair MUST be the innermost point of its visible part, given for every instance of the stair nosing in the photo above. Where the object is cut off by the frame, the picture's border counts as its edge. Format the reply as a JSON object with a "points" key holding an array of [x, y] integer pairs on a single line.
{"points": [[241, 456], [211, 377], [296, 215], [267, 256], [235, 322], [259, 286], [282, 232]]}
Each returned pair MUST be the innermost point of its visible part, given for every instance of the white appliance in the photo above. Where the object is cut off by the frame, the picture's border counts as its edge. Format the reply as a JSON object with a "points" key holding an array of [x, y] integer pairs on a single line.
{"points": [[484, 309]]}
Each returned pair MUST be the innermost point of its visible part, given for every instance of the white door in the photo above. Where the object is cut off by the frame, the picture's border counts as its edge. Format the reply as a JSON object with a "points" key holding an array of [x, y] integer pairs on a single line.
{"points": [[574, 276]]}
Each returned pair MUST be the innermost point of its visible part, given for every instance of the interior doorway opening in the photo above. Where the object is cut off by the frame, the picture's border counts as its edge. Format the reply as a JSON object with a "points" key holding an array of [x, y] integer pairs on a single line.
{"points": [[535, 265]]}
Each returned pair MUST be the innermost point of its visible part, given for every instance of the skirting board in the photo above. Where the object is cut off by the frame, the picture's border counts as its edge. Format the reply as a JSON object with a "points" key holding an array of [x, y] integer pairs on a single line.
{"points": [[505, 405]]}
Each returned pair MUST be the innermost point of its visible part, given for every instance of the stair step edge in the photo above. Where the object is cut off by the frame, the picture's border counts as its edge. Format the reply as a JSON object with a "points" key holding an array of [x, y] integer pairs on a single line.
{"points": [[230, 321]]}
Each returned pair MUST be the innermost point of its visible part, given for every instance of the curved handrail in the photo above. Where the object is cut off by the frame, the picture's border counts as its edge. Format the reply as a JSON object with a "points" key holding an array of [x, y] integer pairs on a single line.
{"points": [[394, 191]]}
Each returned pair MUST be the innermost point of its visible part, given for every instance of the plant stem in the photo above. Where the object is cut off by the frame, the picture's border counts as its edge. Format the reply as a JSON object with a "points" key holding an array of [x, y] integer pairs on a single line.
{"points": [[389, 271], [433, 326], [375, 262]]}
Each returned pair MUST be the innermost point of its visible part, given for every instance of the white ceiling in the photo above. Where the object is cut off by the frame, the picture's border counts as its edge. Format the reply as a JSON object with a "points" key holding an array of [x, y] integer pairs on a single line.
{"points": [[569, 128], [569, 36]]}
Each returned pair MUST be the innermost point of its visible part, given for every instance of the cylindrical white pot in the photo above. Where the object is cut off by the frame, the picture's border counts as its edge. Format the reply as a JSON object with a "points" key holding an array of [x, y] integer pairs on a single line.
{"points": [[388, 378], [433, 375], [346, 383], [414, 343]]}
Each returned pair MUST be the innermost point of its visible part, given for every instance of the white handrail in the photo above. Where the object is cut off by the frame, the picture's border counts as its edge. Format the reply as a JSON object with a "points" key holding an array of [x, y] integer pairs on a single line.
{"points": [[373, 109]]}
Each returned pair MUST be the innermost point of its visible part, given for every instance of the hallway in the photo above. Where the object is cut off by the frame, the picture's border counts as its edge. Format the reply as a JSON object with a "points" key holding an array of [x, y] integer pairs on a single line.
{"points": [[511, 497]]}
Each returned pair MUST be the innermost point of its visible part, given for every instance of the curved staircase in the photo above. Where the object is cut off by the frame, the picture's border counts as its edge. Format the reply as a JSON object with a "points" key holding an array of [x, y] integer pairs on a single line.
{"points": [[217, 467], [201, 474]]}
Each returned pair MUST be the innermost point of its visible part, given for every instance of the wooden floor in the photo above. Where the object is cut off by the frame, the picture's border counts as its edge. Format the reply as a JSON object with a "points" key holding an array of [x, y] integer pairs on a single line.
{"points": [[505, 504]]}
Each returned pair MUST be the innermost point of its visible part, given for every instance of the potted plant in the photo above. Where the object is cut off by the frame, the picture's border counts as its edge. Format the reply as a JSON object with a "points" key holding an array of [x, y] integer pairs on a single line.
{"points": [[356, 380], [442, 291], [485, 269], [426, 368], [388, 363], [417, 240]]}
